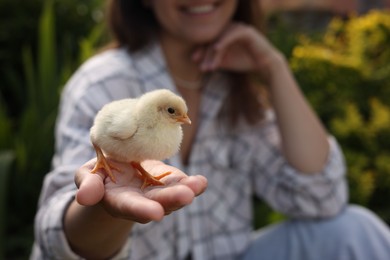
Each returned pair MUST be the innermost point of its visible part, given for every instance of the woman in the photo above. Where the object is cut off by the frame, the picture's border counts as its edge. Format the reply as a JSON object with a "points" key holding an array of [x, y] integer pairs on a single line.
{"points": [[209, 52]]}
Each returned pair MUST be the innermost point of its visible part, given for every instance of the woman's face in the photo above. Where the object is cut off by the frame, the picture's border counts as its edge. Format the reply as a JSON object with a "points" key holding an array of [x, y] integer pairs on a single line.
{"points": [[193, 21]]}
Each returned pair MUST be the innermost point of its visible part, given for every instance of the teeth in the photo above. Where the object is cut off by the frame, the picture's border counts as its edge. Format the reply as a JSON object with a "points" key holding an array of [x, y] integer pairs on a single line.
{"points": [[201, 9]]}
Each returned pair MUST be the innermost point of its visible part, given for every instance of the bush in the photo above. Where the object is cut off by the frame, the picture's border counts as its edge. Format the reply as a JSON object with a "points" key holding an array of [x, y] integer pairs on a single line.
{"points": [[346, 77], [18, 29], [27, 135]]}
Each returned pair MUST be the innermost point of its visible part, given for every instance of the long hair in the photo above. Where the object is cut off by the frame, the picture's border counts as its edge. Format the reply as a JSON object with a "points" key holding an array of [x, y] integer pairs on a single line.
{"points": [[134, 26]]}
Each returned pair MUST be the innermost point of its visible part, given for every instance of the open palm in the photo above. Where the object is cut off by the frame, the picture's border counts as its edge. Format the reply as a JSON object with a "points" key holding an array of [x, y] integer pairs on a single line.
{"points": [[125, 198]]}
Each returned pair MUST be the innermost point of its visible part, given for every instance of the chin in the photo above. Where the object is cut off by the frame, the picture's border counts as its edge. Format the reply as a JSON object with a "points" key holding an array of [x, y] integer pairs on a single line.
{"points": [[203, 37]]}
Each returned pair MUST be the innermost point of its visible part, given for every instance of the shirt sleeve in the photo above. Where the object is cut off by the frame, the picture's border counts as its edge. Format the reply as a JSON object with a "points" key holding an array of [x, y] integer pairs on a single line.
{"points": [[50, 240], [296, 194]]}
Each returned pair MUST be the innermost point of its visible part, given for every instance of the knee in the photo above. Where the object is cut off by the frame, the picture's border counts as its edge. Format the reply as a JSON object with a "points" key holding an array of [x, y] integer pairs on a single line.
{"points": [[355, 220], [355, 233], [355, 214]]}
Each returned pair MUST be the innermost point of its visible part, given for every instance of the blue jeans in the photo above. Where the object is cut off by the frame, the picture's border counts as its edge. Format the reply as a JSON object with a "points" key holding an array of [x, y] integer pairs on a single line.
{"points": [[356, 233]]}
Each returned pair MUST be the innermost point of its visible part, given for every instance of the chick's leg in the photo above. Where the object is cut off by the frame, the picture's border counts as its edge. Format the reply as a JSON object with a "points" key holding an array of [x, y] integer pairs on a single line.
{"points": [[102, 163], [149, 180]]}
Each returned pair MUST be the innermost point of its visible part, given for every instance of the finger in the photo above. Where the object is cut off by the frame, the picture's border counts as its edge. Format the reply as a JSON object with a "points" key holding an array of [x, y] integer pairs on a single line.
{"points": [[234, 33], [198, 54], [216, 52], [179, 189], [91, 186], [198, 184], [228, 42], [207, 63], [215, 61], [172, 197], [91, 190], [85, 170], [251, 39]]}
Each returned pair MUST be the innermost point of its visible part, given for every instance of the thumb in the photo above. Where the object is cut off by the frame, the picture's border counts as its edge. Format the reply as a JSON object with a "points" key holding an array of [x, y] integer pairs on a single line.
{"points": [[91, 188]]}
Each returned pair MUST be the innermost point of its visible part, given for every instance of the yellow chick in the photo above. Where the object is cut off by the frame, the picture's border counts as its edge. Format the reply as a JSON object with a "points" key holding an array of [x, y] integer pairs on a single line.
{"points": [[135, 129]]}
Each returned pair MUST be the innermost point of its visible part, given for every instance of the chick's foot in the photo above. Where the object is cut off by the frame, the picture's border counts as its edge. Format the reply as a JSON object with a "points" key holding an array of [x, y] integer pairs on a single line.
{"points": [[149, 180], [102, 163]]}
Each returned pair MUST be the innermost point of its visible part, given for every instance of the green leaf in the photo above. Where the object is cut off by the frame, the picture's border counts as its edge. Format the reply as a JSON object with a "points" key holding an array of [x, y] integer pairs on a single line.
{"points": [[6, 158], [31, 80], [47, 61]]}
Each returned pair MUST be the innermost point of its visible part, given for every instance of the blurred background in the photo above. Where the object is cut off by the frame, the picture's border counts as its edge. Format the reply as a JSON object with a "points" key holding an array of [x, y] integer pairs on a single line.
{"points": [[339, 52]]}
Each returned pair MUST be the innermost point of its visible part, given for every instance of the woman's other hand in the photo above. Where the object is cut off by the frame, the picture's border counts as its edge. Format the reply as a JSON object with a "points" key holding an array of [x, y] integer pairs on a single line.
{"points": [[239, 48]]}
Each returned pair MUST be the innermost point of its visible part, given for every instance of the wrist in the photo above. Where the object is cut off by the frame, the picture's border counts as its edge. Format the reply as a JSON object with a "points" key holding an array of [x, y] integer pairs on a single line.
{"points": [[88, 227], [272, 65]]}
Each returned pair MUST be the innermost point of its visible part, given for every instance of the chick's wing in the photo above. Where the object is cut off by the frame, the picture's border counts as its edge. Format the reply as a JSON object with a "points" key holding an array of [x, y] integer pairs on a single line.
{"points": [[122, 119]]}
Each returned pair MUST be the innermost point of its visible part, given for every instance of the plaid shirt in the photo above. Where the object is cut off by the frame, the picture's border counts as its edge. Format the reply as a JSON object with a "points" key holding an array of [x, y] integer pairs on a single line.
{"points": [[237, 163]]}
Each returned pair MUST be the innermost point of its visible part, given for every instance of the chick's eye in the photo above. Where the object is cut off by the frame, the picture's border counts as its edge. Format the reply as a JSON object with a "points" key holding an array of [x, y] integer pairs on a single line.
{"points": [[171, 110]]}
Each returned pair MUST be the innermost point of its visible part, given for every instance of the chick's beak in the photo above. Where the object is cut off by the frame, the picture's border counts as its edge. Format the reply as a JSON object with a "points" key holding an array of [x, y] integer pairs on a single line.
{"points": [[184, 119]]}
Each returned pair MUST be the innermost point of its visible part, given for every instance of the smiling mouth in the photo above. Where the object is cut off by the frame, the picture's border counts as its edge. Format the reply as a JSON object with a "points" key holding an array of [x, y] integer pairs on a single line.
{"points": [[199, 9]]}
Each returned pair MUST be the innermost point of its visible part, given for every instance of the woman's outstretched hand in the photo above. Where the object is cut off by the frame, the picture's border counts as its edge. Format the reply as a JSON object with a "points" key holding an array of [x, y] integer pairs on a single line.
{"points": [[125, 199]]}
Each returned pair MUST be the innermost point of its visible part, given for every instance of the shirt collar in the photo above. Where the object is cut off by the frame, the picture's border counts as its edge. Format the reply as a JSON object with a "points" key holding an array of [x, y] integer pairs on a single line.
{"points": [[153, 73]]}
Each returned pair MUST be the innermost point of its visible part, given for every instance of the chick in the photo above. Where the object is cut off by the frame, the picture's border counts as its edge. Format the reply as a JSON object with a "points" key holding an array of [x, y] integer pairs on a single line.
{"points": [[135, 129]]}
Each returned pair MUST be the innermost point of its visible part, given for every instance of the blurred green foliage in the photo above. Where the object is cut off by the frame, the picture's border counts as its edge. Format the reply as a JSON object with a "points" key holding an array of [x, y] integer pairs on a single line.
{"points": [[345, 73], [346, 77], [18, 29], [40, 48], [6, 159]]}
